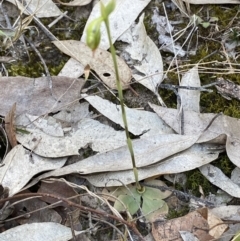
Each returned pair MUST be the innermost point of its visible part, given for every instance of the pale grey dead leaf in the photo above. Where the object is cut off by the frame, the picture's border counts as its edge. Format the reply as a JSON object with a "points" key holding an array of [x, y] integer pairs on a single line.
{"points": [[41, 9], [195, 156], [147, 152], [101, 62], [90, 132], [188, 236], [47, 231], [190, 99], [235, 175], [230, 212], [74, 113], [48, 125], [144, 51], [120, 20], [212, 1], [20, 165], [75, 2], [194, 123], [139, 122], [218, 178], [33, 95], [210, 125]]}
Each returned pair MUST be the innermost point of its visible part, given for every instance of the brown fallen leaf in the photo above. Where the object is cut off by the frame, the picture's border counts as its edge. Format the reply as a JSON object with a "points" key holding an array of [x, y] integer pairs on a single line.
{"points": [[33, 95], [194, 222], [10, 127], [101, 62]]}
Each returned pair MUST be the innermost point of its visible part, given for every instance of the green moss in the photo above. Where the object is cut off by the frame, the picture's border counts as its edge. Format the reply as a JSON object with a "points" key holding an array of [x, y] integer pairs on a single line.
{"points": [[224, 164], [196, 179], [177, 213]]}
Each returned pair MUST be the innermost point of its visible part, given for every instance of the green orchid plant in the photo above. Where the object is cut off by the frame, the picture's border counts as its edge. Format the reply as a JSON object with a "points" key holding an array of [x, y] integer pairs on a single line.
{"points": [[132, 197]]}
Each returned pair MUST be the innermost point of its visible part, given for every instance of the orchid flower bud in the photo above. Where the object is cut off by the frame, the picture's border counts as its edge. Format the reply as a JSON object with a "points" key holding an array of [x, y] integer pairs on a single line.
{"points": [[94, 33]]}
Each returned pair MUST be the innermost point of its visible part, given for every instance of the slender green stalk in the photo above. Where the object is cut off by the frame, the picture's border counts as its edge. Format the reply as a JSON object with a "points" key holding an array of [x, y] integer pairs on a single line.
{"points": [[120, 95], [93, 40]]}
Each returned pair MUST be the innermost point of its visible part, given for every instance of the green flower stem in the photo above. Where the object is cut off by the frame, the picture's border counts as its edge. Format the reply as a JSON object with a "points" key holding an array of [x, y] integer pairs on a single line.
{"points": [[120, 95]]}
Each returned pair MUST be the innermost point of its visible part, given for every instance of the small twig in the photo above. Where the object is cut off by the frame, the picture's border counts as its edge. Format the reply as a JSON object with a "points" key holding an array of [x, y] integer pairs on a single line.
{"points": [[202, 88], [57, 19], [131, 225]]}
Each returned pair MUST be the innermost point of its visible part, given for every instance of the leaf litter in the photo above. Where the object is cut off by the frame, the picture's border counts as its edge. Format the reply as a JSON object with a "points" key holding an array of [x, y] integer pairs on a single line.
{"points": [[159, 144]]}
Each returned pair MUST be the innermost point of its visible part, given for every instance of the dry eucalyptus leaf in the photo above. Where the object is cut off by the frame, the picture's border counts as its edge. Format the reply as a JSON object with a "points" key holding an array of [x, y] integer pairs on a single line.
{"points": [[20, 165], [48, 125], [194, 123], [193, 157], [189, 222], [190, 98], [74, 113], [10, 127], [145, 53], [44, 215], [139, 121], [210, 125], [42, 9], [33, 96], [100, 61], [47, 231], [218, 178], [212, 1], [120, 20], [90, 132], [147, 152], [75, 2]]}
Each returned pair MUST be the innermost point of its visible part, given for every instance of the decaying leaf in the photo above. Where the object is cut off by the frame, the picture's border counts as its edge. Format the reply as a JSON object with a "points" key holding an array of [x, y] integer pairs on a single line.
{"points": [[42, 9], [101, 62], [208, 126], [212, 1], [140, 122], [145, 53], [10, 126], [45, 214], [20, 165], [147, 152], [120, 20], [75, 2], [169, 230], [219, 179], [194, 157], [190, 98], [87, 132], [47, 231], [33, 96]]}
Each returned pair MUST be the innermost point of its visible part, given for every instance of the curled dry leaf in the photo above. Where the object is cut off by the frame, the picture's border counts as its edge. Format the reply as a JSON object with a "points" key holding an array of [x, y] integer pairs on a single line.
{"points": [[101, 62]]}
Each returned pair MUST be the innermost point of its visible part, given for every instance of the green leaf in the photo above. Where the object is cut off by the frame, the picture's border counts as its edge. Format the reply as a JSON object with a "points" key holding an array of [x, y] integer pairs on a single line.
{"points": [[132, 203], [205, 24]]}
